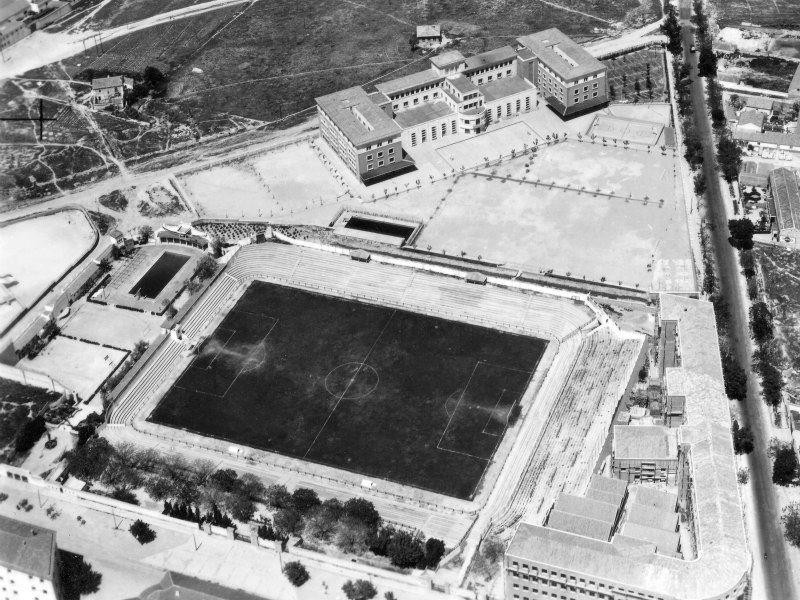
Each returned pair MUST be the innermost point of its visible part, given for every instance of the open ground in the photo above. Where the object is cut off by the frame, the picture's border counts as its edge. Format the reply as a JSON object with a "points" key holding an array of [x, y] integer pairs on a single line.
{"points": [[77, 365], [543, 212], [36, 252], [308, 375]]}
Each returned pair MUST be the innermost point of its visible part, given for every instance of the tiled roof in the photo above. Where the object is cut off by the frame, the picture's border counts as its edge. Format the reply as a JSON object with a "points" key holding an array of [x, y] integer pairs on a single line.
{"points": [[767, 137], [751, 117], [783, 185], [664, 540], [580, 525], [409, 82], [587, 507], [342, 106], [27, 548], [447, 59], [491, 57]]}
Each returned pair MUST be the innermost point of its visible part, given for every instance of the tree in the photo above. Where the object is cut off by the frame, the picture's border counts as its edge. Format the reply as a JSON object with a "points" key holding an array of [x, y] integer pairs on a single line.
{"points": [[145, 233], [277, 496], [791, 523], [77, 576], [672, 29], [87, 462], [761, 322], [434, 551], [304, 500], [142, 532], [492, 549], [361, 589], [296, 573], [707, 63], [351, 536], [406, 550], [364, 511], [29, 434], [287, 521], [699, 184], [320, 523], [742, 439], [785, 466], [729, 156], [206, 267], [124, 495], [741, 231], [735, 377]]}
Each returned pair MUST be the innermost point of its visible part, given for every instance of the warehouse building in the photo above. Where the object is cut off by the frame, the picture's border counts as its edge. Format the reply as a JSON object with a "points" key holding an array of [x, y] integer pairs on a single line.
{"points": [[784, 204]]}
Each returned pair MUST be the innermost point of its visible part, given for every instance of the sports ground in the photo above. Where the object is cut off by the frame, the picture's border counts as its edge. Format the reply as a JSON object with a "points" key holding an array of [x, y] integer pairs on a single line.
{"points": [[381, 392]]}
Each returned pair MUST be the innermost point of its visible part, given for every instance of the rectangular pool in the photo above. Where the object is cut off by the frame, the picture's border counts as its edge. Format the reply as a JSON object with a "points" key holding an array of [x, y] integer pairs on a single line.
{"points": [[159, 275]]}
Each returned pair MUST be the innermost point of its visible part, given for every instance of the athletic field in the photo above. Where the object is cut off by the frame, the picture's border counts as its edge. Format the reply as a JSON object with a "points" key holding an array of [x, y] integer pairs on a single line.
{"points": [[385, 393]]}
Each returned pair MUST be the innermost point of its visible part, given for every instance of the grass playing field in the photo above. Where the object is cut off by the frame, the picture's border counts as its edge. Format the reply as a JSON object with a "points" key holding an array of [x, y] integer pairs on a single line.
{"points": [[382, 392]]}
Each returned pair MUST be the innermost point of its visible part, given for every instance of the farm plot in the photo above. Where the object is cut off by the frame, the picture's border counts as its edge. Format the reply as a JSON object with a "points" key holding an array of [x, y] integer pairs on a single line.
{"points": [[120, 12], [784, 14], [767, 72], [637, 77], [780, 268]]}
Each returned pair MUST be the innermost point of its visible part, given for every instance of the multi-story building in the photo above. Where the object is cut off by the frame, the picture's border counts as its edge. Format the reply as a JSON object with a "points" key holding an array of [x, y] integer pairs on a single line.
{"points": [[640, 557], [110, 91], [570, 79], [12, 22], [28, 564], [456, 95], [644, 453]]}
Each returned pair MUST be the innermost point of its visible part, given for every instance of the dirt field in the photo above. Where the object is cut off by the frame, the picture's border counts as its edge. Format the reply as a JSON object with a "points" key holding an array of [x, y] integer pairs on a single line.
{"points": [[38, 251], [545, 226], [768, 13], [277, 184], [77, 365], [113, 326]]}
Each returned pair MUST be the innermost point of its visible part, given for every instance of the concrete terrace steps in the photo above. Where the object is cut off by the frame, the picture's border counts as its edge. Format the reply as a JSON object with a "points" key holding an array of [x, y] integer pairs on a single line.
{"points": [[146, 383], [588, 387], [214, 299]]}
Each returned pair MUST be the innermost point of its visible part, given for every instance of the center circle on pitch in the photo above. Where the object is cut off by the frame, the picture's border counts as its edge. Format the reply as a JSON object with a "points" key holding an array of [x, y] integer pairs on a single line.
{"points": [[352, 381]]}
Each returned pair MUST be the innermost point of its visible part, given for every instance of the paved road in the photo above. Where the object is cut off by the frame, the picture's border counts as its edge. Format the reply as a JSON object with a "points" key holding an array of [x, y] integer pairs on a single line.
{"points": [[778, 582]]}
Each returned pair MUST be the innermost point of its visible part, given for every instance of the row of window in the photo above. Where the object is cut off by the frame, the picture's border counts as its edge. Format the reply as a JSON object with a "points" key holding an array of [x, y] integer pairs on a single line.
{"points": [[380, 153], [585, 97], [576, 91], [472, 73], [489, 78], [424, 133], [380, 163], [425, 98]]}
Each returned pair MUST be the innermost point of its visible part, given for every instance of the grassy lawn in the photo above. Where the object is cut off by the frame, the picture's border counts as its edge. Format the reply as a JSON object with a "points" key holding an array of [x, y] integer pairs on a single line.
{"points": [[385, 393]]}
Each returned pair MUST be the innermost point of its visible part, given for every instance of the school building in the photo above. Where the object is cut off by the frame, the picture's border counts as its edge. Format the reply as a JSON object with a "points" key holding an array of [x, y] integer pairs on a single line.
{"points": [[457, 95]]}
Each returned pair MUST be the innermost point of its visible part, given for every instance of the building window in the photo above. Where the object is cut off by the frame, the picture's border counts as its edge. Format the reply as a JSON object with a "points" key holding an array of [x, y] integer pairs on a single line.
{"points": [[433, 133], [423, 133], [413, 139], [508, 109], [391, 150], [586, 88], [380, 154], [416, 101], [369, 167], [499, 75], [527, 102], [489, 78], [499, 111], [444, 129], [435, 94], [586, 96], [480, 80], [508, 72], [453, 127], [425, 97], [380, 163], [518, 104], [369, 156], [594, 94], [594, 85], [405, 103], [391, 159]]}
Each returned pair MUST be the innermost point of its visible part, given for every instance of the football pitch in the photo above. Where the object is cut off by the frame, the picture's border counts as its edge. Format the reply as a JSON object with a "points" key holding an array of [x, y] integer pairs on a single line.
{"points": [[385, 393]]}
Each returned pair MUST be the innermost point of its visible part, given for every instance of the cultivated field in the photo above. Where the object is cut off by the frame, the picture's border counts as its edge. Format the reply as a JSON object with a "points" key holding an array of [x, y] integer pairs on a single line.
{"points": [[554, 219], [769, 13], [386, 393], [781, 270], [36, 252], [643, 67]]}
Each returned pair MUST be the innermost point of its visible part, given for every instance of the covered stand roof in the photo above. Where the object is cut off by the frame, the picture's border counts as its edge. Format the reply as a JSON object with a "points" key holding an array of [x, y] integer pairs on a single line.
{"points": [[723, 560], [785, 190]]}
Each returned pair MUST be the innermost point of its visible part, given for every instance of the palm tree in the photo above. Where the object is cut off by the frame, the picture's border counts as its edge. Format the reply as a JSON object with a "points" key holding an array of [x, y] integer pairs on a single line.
{"points": [[594, 137], [625, 143], [580, 137]]}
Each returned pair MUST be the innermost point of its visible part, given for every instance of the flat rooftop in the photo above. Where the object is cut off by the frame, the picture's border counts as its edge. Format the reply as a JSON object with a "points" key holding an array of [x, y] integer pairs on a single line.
{"points": [[27, 548], [650, 442], [501, 88], [563, 56], [723, 559], [344, 108], [409, 117], [490, 58]]}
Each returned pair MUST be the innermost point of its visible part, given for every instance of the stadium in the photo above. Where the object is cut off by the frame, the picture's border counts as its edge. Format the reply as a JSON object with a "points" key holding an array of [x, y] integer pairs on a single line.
{"points": [[296, 349]]}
